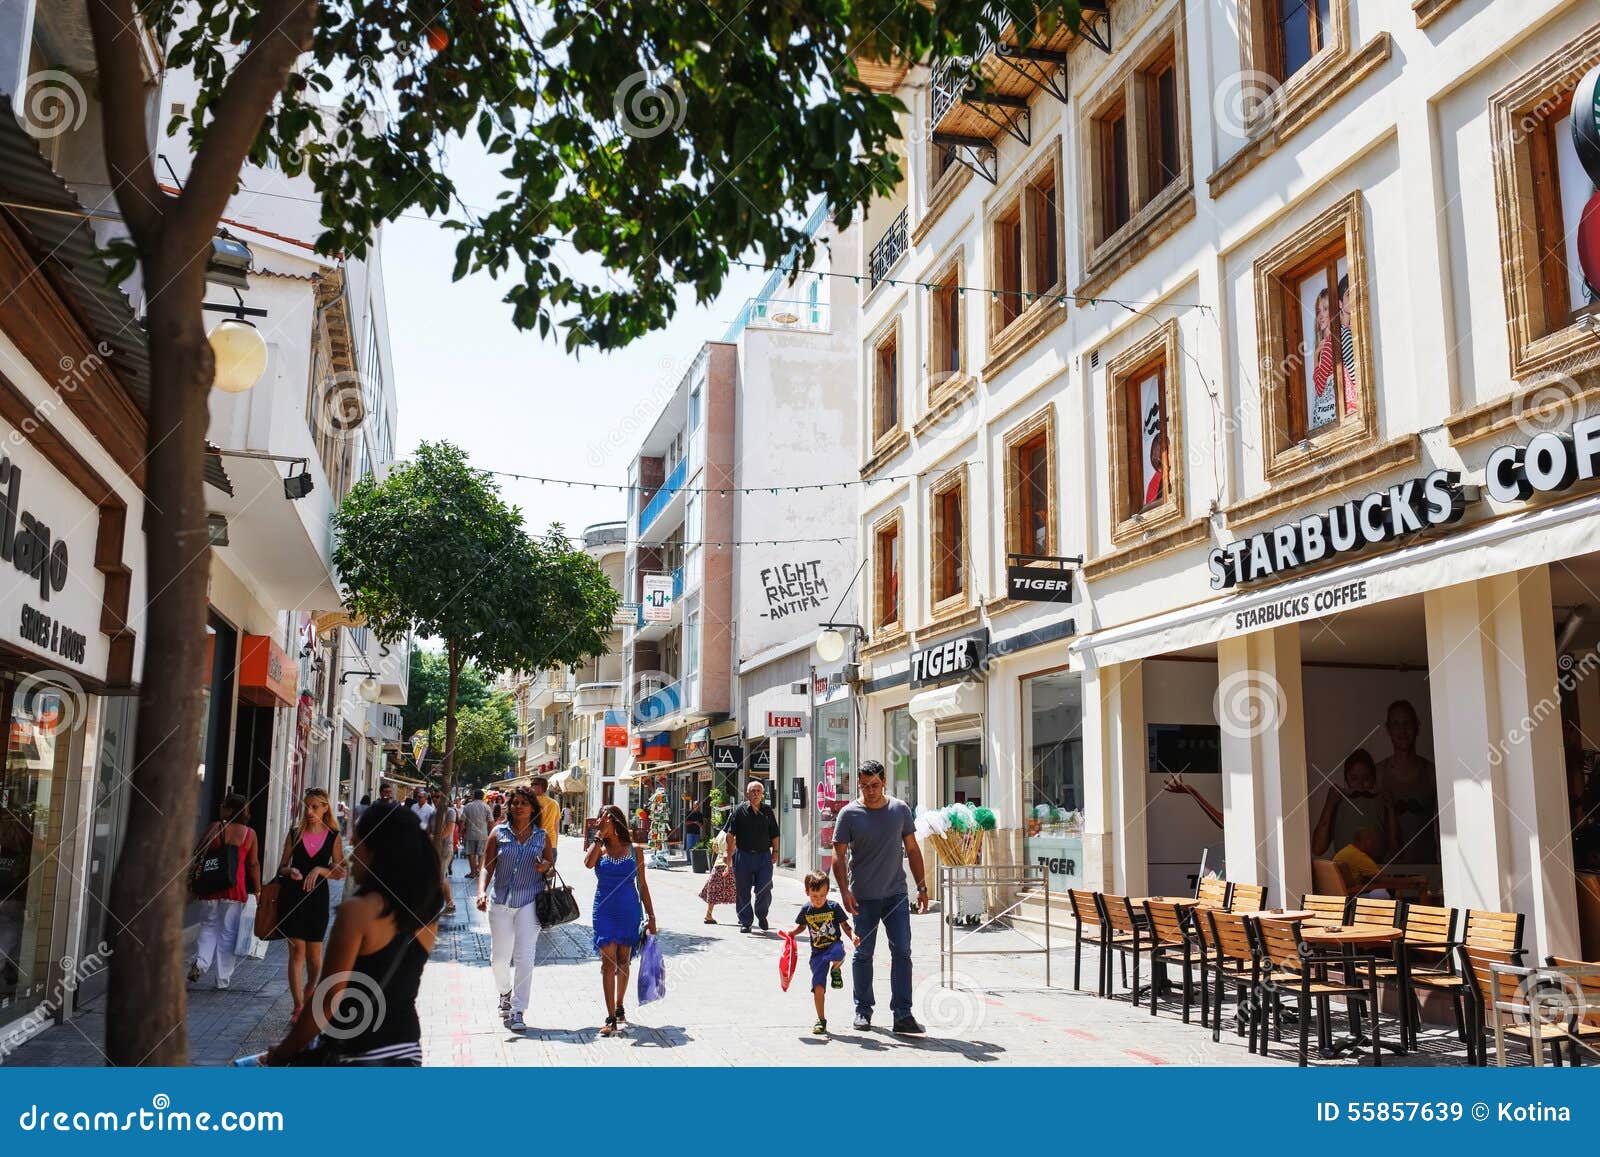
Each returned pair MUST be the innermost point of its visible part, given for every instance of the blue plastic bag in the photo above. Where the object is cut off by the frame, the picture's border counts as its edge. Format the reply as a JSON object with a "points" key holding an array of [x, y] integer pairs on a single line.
{"points": [[652, 971]]}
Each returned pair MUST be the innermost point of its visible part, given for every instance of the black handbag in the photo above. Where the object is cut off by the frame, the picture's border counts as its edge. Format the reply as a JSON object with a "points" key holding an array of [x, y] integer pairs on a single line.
{"points": [[218, 869], [555, 904]]}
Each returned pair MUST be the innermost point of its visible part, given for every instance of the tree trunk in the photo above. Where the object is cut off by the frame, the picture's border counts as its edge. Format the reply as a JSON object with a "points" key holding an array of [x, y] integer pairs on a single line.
{"points": [[145, 1007], [447, 770]]}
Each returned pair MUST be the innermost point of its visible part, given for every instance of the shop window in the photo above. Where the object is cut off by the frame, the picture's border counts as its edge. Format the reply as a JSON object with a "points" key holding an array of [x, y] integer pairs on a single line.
{"points": [[944, 328], [948, 565], [900, 743], [1025, 244], [1053, 788], [886, 615], [1316, 369], [1540, 192], [1030, 486], [886, 385], [1143, 419]]}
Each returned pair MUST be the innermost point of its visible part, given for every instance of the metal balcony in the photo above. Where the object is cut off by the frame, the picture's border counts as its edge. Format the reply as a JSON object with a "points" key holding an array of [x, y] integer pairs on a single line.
{"points": [[659, 704], [659, 500], [889, 249]]}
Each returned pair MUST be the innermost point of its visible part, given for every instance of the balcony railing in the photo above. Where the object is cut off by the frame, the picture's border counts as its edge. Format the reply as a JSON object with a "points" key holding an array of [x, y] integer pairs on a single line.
{"points": [[889, 249], [778, 313], [658, 501], [659, 704], [677, 585], [951, 78]]}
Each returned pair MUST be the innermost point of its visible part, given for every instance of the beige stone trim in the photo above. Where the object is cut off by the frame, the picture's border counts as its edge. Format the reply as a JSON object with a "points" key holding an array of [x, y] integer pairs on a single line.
{"points": [[940, 198], [886, 451], [1164, 543], [1044, 421], [1427, 11], [953, 479], [895, 521], [1541, 403], [1328, 475], [1160, 346], [950, 395]]}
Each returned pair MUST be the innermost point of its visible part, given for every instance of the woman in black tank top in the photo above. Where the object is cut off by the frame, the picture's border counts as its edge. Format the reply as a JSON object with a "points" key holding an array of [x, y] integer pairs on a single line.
{"points": [[364, 1012]]}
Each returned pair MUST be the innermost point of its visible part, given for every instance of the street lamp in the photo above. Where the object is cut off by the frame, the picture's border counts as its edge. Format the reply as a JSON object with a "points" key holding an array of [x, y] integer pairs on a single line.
{"points": [[240, 353], [831, 643], [368, 688]]}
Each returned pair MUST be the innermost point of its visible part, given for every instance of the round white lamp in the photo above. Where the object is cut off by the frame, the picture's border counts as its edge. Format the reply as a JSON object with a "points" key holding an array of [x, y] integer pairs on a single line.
{"points": [[830, 646], [368, 689], [240, 353]]}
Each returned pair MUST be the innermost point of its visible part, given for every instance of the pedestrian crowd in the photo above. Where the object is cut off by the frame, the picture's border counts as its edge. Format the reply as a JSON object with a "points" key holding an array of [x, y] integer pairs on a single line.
{"points": [[399, 862]]}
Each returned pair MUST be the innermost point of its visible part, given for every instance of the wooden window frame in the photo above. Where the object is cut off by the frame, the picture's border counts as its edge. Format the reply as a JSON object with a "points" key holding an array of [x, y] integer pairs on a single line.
{"points": [[882, 432], [1157, 351], [1539, 343], [1278, 273], [942, 380], [1036, 219], [1156, 206], [1040, 425], [1261, 57], [895, 623], [1276, 49], [938, 556]]}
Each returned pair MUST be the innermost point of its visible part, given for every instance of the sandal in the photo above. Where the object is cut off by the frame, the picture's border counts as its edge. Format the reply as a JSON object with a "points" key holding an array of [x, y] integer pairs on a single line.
{"points": [[709, 920], [622, 1015], [295, 1015], [610, 1028]]}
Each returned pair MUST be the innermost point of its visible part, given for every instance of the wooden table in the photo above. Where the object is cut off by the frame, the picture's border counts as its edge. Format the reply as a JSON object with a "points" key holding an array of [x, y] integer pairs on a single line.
{"points": [[1286, 914], [1347, 937], [1178, 901]]}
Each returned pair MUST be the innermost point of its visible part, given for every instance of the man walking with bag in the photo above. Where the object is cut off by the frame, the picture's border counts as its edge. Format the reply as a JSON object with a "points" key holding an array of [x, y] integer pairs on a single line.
{"points": [[868, 838], [752, 843]]}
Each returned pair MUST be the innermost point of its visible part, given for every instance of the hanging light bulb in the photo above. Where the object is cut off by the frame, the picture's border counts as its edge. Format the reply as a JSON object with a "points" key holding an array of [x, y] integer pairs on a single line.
{"points": [[240, 354]]}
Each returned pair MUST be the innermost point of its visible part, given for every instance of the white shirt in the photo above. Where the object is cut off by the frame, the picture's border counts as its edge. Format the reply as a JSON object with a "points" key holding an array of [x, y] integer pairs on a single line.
{"points": [[425, 815]]}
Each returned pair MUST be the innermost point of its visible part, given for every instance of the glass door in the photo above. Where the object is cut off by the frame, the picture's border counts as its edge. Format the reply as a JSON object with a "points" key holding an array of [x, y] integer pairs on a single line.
{"points": [[961, 778], [788, 816], [834, 767]]}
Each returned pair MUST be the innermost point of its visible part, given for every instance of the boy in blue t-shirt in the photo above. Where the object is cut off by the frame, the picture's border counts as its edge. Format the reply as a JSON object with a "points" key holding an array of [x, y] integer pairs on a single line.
{"points": [[829, 925]]}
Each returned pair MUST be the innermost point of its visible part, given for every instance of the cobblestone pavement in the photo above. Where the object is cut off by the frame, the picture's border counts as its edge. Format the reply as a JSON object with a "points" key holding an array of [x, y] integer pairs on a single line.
{"points": [[724, 1005]]}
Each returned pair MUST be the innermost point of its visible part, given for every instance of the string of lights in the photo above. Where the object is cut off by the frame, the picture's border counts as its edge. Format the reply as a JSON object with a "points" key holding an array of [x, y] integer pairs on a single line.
{"points": [[577, 540], [722, 491]]}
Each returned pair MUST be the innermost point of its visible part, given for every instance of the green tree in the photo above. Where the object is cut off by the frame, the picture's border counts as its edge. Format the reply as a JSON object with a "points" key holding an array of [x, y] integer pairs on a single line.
{"points": [[434, 550], [646, 144], [428, 691], [483, 741]]}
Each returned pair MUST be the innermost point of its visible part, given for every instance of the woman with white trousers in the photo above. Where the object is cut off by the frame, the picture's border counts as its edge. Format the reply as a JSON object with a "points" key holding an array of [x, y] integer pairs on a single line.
{"points": [[515, 862], [220, 931]]}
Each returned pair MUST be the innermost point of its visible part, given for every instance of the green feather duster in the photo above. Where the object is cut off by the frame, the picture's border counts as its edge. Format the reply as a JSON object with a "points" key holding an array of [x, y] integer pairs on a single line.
{"points": [[985, 818]]}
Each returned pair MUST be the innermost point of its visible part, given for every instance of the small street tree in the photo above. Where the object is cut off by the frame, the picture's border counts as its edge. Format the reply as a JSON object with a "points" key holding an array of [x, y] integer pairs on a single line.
{"points": [[433, 549], [647, 144]]}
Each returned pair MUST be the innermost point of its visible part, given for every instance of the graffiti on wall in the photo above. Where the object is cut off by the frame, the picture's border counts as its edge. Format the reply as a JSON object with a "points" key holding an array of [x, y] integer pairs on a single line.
{"points": [[792, 587]]}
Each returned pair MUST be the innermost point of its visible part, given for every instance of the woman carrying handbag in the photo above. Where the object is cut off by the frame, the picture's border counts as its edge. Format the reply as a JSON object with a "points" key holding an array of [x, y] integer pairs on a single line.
{"points": [[515, 862], [227, 873]]}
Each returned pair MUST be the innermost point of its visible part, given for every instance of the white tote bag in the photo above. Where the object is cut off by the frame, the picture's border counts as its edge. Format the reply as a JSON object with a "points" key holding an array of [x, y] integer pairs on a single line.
{"points": [[245, 942]]}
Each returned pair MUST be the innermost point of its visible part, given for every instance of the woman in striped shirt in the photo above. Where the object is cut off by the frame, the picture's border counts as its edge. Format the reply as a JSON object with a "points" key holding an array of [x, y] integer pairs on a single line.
{"points": [[516, 860]]}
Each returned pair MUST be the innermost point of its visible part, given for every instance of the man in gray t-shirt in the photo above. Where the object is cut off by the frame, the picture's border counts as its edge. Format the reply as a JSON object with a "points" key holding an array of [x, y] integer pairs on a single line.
{"points": [[869, 835], [475, 819]]}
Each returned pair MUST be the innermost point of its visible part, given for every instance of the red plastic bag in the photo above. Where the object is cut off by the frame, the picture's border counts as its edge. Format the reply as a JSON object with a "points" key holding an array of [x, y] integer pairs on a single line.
{"points": [[788, 961]]}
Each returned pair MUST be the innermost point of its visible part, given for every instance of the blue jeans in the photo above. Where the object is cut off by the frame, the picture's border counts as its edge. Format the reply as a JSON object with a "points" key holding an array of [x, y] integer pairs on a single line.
{"points": [[752, 871], [894, 913], [690, 839]]}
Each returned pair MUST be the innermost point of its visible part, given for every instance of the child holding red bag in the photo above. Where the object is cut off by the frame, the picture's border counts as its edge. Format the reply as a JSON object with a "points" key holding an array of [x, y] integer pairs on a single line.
{"points": [[829, 925]]}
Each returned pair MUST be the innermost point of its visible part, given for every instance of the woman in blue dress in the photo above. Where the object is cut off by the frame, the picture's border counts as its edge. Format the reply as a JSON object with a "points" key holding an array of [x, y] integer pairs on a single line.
{"points": [[621, 904]]}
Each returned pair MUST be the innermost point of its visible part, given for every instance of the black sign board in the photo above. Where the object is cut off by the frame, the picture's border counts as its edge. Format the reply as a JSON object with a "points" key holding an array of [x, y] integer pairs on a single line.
{"points": [[1184, 748], [727, 757], [1039, 579], [951, 659], [761, 759], [797, 793]]}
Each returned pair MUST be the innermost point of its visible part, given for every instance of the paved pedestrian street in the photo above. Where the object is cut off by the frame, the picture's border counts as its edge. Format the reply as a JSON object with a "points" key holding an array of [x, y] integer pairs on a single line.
{"points": [[724, 1004]]}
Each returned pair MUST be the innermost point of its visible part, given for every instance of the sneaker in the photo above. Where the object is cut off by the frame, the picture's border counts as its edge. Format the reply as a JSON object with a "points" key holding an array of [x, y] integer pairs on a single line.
{"points": [[763, 924], [744, 928], [820, 1028], [908, 1026], [517, 1024], [505, 1003], [836, 976], [863, 1021], [221, 984]]}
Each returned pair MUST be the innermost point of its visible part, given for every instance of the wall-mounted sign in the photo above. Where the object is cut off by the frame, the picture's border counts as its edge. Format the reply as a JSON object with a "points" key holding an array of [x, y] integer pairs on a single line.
{"points": [[761, 760], [786, 723], [1404, 509], [626, 615], [797, 792], [951, 659], [46, 522], [727, 757], [697, 744], [657, 598], [1038, 579], [828, 786], [267, 676], [616, 733], [653, 747]]}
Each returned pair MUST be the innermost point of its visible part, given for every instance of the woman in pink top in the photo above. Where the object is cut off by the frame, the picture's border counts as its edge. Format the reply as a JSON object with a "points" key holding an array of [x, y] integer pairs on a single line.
{"points": [[312, 855]]}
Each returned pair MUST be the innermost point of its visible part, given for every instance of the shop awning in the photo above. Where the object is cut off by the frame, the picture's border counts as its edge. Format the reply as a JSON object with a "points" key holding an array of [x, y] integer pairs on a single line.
{"points": [[1497, 546]]}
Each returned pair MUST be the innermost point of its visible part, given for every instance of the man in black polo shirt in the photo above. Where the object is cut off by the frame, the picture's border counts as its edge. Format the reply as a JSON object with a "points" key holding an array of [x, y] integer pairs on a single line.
{"points": [[752, 840]]}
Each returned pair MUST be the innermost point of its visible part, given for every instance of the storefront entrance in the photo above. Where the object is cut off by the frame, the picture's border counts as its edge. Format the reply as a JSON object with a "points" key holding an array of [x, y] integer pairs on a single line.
{"points": [[1052, 803], [961, 771], [788, 815]]}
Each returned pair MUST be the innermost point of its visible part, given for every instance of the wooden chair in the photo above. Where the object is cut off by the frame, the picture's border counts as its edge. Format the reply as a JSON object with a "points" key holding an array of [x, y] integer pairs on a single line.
{"points": [[1509, 989], [1247, 898], [1329, 909], [1423, 960], [1212, 893], [1125, 937], [1087, 926], [1205, 946], [1328, 879], [1495, 931], [1584, 993], [1232, 961], [1382, 913], [1169, 944], [1294, 972]]}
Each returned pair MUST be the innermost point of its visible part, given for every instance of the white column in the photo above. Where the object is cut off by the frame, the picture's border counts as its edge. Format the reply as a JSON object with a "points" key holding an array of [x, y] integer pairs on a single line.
{"points": [[1495, 688], [1115, 852], [1261, 711]]}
